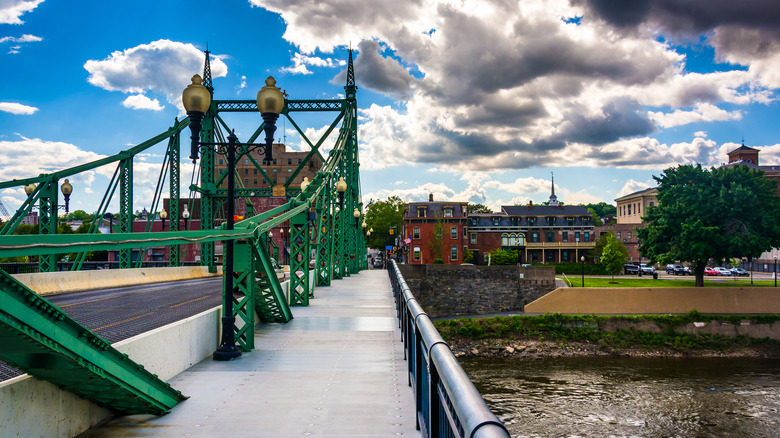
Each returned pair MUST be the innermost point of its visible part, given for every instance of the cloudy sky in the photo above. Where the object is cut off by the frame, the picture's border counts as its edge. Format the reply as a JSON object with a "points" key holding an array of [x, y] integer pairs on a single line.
{"points": [[477, 101]]}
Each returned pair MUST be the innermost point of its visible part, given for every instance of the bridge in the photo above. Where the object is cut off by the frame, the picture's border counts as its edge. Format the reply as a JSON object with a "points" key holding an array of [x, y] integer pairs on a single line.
{"points": [[343, 354]]}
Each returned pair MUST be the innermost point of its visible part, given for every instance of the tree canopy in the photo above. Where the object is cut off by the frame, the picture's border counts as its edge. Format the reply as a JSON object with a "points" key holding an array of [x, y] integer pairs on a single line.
{"points": [[479, 208], [613, 254], [382, 216], [714, 214]]}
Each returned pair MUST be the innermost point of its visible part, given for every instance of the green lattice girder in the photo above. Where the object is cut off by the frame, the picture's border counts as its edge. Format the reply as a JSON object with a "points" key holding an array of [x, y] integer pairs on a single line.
{"points": [[299, 260], [43, 341]]}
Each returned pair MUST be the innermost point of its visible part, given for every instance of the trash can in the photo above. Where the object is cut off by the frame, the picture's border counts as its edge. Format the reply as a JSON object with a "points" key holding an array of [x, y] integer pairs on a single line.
{"points": [[655, 276]]}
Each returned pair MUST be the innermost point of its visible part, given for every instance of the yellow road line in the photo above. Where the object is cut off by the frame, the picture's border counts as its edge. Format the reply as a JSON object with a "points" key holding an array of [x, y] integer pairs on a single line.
{"points": [[187, 302], [127, 320], [111, 298]]}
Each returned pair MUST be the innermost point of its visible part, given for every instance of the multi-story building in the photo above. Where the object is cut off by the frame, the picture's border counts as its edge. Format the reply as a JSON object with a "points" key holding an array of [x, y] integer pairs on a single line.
{"points": [[630, 209], [748, 156], [434, 230], [281, 169], [540, 233]]}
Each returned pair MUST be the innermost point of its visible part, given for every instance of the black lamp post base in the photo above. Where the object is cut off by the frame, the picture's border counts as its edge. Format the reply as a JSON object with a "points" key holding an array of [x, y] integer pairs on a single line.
{"points": [[226, 352]]}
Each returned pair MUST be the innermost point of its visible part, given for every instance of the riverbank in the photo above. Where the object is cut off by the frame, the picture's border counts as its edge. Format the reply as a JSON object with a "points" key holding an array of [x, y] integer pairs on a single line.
{"points": [[552, 336]]}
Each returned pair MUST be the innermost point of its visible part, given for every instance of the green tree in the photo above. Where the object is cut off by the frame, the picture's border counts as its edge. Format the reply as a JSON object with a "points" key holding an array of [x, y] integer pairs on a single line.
{"points": [[596, 219], [614, 254], [601, 242], [382, 216], [717, 214], [503, 257], [602, 209], [478, 208], [78, 215], [468, 256]]}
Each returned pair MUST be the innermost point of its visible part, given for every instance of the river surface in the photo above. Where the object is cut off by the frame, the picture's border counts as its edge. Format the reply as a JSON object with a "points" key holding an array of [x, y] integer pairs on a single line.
{"points": [[628, 397]]}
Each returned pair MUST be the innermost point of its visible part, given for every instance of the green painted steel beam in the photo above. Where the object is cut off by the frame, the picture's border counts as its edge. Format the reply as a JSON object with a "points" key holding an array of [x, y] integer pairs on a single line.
{"points": [[41, 340]]}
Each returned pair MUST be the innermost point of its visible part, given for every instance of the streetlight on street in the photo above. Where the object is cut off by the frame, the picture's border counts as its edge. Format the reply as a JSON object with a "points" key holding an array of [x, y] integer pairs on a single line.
{"points": [[775, 271], [341, 187], [582, 260], [163, 216], [66, 190], [197, 100]]}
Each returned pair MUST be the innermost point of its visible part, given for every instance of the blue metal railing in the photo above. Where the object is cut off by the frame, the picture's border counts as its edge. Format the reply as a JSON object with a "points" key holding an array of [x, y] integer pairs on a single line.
{"points": [[447, 403]]}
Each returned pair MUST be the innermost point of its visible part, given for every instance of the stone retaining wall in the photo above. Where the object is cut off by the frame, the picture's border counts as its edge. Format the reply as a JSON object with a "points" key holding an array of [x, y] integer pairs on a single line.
{"points": [[453, 290]]}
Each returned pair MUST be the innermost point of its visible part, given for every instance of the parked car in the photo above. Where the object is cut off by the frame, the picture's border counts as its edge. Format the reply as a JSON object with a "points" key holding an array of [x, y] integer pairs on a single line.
{"points": [[631, 268], [723, 271], [646, 269], [739, 272], [677, 270], [687, 271], [710, 271]]}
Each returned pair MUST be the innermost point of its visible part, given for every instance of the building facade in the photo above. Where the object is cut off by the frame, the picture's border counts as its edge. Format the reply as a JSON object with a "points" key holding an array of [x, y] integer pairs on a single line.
{"points": [[630, 209], [434, 230], [539, 233]]}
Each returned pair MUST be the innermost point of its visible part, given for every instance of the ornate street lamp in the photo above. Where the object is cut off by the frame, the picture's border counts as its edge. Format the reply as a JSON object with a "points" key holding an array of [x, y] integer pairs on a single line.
{"points": [[186, 215], [582, 259], [341, 187], [270, 102], [356, 215], [66, 188], [163, 216], [304, 183], [29, 189], [364, 225]]}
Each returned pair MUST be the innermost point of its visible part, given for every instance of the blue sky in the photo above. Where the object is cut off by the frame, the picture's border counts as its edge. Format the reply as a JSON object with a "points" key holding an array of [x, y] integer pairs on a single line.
{"points": [[469, 100]]}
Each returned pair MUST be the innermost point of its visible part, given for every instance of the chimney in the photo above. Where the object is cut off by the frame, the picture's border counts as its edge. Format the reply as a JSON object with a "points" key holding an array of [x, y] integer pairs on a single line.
{"points": [[430, 197]]}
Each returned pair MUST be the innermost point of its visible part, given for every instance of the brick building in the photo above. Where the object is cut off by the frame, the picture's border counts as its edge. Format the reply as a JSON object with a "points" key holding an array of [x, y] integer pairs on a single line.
{"points": [[282, 168], [630, 209], [434, 230]]}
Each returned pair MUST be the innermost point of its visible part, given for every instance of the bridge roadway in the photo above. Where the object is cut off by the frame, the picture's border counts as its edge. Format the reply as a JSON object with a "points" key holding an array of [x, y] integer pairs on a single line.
{"points": [[337, 369], [119, 313]]}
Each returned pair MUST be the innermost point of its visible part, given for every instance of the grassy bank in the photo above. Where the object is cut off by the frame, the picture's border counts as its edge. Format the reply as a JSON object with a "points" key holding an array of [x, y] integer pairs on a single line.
{"points": [[633, 281], [558, 334]]}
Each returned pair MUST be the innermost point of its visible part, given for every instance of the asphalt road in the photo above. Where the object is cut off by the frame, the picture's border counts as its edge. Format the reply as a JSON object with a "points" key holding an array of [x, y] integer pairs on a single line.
{"points": [[120, 313]]}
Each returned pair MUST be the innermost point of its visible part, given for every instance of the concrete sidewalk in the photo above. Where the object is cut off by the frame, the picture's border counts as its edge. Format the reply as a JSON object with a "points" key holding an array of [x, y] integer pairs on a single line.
{"points": [[336, 370]]}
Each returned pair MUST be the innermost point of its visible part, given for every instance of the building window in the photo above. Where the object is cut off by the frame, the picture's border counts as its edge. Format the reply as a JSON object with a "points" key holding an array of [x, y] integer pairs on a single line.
{"points": [[565, 236], [513, 240], [454, 253], [587, 236], [550, 221], [629, 209], [576, 236], [289, 161], [473, 237], [565, 256], [535, 236], [531, 221], [220, 162], [421, 212], [569, 222], [496, 221], [521, 240], [246, 182], [618, 234], [255, 181], [447, 212], [651, 203], [628, 235], [246, 171], [505, 239], [453, 233], [416, 233], [274, 162], [416, 254], [300, 160], [549, 236], [255, 171], [638, 208]]}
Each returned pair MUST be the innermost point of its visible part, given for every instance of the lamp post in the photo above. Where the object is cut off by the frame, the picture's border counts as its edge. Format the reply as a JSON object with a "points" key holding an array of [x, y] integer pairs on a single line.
{"points": [[582, 260], [356, 215], [270, 102], [186, 215], [341, 187], [163, 216], [775, 271], [66, 190], [110, 217]]}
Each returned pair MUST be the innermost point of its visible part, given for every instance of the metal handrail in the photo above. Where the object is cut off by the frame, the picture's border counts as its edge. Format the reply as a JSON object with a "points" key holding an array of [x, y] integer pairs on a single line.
{"points": [[447, 402]]}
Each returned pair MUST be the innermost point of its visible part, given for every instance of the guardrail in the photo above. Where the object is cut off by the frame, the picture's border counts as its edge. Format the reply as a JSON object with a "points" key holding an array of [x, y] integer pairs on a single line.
{"points": [[33, 267], [447, 403]]}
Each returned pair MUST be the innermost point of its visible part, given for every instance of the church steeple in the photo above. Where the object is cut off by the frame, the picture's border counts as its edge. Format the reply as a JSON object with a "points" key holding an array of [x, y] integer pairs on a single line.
{"points": [[350, 88], [553, 198]]}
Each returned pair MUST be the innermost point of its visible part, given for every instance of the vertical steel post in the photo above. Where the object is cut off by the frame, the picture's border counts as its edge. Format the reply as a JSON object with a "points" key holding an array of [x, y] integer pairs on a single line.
{"points": [[174, 145], [126, 208], [227, 349], [208, 198], [47, 222]]}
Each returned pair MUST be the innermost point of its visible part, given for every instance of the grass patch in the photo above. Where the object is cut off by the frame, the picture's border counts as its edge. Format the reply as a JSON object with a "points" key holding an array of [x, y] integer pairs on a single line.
{"points": [[632, 281], [587, 328]]}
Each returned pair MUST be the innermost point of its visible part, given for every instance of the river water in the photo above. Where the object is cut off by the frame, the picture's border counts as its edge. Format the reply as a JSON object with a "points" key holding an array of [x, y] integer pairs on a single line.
{"points": [[628, 397]]}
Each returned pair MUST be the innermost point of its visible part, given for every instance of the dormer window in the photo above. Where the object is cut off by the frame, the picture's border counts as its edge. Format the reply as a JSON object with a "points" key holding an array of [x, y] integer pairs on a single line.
{"points": [[550, 221], [531, 221], [422, 211], [496, 221], [447, 211]]}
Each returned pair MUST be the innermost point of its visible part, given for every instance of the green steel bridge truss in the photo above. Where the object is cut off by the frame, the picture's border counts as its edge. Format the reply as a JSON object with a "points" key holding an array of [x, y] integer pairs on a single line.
{"points": [[320, 220]]}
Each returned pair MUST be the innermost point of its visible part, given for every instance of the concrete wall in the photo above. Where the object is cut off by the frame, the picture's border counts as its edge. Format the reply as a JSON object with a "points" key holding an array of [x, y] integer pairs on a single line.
{"points": [[35, 408], [45, 283], [715, 300], [449, 290]]}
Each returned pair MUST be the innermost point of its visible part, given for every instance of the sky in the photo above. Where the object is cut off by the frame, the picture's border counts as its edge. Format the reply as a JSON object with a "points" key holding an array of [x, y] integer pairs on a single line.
{"points": [[474, 100]]}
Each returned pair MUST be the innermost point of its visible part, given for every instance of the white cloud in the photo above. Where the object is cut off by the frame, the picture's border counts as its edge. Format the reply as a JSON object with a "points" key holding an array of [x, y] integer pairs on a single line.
{"points": [[139, 101], [26, 38], [506, 85], [17, 108], [632, 186], [11, 10], [164, 67], [702, 134], [703, 112], [300, 62]]}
